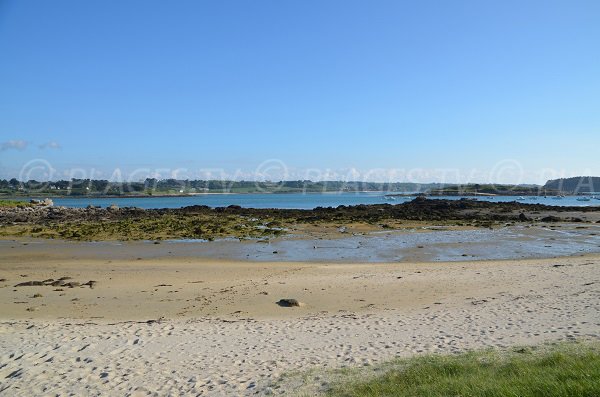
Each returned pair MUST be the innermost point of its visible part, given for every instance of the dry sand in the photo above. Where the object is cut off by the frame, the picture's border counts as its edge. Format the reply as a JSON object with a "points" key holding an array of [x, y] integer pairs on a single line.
{"points": [[190, 327]]}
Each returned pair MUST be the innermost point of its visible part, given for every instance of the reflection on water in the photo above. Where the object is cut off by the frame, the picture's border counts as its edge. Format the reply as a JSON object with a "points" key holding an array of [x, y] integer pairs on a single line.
{"points": [[506, 243]]}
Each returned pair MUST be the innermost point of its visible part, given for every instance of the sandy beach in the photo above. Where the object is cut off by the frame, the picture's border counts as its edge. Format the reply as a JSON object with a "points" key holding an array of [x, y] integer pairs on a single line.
{"points": [[338, 199], [185, 326]]}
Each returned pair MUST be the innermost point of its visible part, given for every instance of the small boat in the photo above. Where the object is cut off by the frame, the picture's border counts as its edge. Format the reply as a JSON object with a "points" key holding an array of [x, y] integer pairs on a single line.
{"points": [[583, 199], [557, 198], [521, 198]]}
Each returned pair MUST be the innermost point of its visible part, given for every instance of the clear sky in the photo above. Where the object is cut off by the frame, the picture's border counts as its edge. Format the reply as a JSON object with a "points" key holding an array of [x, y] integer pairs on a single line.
{"points": [[380, 90]]}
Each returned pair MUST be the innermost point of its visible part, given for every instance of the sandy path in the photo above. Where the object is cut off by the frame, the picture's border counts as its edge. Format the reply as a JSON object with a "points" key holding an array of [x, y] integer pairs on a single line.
{"points": [[432, 308]]}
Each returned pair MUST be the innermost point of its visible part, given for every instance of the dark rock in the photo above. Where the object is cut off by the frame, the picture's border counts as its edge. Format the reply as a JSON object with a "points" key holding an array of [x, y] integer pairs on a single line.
{"points": [[30, 284], [551, 218], [90, 283], [288, 302]]}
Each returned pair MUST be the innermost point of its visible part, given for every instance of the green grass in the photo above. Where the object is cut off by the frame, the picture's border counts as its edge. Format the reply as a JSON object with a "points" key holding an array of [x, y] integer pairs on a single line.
{"points": [[561, 370], [13, 203]]}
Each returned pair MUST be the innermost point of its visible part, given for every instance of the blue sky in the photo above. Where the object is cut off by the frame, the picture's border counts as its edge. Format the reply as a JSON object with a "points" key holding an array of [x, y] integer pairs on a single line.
{"points": [[482, 91]]}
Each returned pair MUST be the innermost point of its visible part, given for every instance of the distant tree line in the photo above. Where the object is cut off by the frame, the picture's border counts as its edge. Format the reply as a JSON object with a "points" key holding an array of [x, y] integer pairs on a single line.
{"points": [[153, 186], [150, 186]]}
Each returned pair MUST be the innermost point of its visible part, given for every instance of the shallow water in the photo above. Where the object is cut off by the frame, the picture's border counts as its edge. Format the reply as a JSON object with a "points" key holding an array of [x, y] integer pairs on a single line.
{"points": [[292, 200], [419, 245]]}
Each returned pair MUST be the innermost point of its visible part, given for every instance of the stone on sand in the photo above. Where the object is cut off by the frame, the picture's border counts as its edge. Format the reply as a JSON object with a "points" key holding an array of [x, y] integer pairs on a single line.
{"points": [[289, 302], [30, 284]]}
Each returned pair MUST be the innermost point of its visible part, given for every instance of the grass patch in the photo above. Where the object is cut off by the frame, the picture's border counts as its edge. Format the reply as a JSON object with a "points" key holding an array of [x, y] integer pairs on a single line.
{"points": [[14, 203], [561, 370]]}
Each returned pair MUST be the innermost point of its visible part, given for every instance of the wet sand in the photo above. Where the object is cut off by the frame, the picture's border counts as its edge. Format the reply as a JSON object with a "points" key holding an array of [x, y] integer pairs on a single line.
{"points": [[181, 325], [415, 244]]}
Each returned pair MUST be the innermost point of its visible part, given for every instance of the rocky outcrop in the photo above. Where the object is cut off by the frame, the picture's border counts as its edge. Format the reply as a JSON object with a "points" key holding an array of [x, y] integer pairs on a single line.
{"points": [[45, 202], [421, 209]]}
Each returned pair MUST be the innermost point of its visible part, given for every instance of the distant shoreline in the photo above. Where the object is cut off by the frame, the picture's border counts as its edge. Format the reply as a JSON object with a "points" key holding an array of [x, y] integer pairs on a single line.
{"points": [[501, 194], [33, 196], [384, 194]]}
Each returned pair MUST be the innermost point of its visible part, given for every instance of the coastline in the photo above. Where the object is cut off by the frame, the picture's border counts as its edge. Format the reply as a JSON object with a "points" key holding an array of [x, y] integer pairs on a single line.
{"points": [[103, 196], [204, 222], [160, 317], [383, 193]]}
